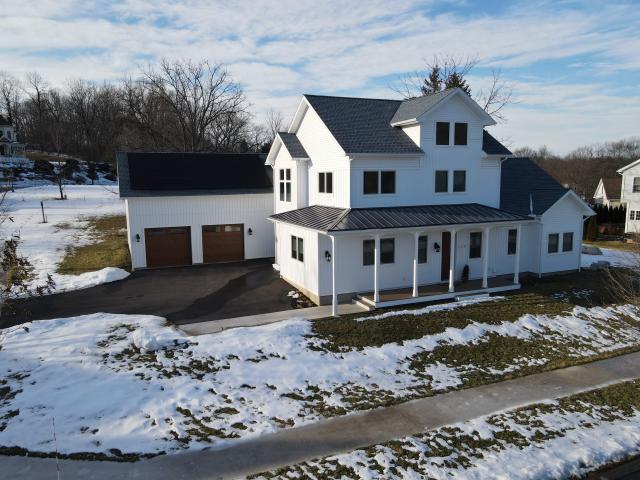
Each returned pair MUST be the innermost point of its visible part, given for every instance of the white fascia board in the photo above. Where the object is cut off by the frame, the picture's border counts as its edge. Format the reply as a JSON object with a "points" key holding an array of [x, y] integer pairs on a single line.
{"points": [[484, 116], [627, 167], [585, 209], [273, 151], [429, 228]]}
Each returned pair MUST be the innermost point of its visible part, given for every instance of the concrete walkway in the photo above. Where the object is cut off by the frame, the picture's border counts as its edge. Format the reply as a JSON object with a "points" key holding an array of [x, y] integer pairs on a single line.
{"points": [[215, 326], [343, 433]]}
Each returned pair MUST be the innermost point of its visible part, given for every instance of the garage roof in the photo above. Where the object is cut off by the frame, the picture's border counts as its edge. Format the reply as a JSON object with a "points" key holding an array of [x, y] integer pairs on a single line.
{"points": [[153, 174]]}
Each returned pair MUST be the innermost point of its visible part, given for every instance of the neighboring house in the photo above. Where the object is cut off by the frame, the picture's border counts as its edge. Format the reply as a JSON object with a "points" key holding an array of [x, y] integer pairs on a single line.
{"points": [[9, 145], [608, 192], [631, 195], [192, 208], [399, 201]]}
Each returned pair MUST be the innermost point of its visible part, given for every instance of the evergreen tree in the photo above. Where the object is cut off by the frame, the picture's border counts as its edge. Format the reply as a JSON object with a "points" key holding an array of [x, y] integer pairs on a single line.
{"points": [[456, 80], [433, 82]]}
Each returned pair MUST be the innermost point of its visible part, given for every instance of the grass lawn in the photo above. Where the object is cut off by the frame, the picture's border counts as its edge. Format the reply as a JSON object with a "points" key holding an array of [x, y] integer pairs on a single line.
{"points": [[613, 245], [108, 247]]}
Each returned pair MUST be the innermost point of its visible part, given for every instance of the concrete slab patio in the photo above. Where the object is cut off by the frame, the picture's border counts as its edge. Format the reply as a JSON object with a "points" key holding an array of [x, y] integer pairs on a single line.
{"points": [[342, 434]]}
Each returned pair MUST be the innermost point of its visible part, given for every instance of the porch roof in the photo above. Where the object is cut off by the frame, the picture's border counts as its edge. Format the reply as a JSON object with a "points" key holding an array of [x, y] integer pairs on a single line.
{"points": [[332, 219]]}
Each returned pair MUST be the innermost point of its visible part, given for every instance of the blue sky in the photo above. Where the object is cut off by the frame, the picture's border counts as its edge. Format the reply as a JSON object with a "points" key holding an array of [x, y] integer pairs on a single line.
{"points": [[574, 66]]}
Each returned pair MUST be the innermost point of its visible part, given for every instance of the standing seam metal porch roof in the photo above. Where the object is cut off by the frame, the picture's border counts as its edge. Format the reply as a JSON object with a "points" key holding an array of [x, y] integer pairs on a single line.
{"points": [[332, 219]]}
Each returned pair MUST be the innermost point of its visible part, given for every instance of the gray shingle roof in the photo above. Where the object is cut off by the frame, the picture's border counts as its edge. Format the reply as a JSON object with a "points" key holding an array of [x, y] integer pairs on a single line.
{"points": [[363, 125], [293, 145], [414, 107], [491, 146], [330, 219], [523, 185]]}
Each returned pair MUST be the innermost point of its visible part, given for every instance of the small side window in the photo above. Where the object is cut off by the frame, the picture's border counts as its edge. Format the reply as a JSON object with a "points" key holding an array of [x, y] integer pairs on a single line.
{"points": [[567, 242], [636, 184], [423, 247], [368, 252], [512, 241], [387, 250], [475, 244], [552, 244]]}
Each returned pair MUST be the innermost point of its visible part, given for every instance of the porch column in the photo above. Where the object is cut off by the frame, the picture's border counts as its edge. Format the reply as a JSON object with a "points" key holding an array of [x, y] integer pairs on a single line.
{"points": [[452, 260], [376, 268], [416, 237], [485, 256], [334, 291], [516, 268]]}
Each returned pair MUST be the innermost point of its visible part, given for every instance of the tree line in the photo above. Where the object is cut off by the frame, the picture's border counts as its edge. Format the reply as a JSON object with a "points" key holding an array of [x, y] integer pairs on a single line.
{"points": [[178, 106], [582, 168]]}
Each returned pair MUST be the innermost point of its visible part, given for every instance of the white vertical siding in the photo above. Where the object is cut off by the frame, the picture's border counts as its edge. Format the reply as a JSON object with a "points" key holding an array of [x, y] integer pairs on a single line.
{"points": [[562, 217], [631, 199], [251, 210], [303, 274]]}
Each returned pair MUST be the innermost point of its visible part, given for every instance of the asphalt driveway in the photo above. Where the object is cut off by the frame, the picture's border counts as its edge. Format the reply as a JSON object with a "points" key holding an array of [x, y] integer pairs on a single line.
{"points": [[182, 295]]}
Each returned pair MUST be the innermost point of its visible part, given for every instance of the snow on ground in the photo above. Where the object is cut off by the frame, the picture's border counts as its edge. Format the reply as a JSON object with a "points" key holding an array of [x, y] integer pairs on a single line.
{"points": [[616, 258], [559, 439], [135, 383], [44, 244]]}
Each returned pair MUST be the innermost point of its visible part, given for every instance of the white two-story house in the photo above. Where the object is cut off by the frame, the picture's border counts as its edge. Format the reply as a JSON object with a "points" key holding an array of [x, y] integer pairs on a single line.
{"points": [[397, 202], [9, 145], [630, 195]]}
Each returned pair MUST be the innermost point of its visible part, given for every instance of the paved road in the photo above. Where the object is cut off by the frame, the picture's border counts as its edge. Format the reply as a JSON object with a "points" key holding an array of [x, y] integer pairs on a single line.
{"points": [[183, 295], [342, 434], [629, 470]]}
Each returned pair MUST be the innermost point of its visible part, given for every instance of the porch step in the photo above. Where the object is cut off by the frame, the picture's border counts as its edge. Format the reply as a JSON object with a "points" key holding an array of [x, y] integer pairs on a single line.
{"points": [[365, 300], [472, 296], [364, 305]]}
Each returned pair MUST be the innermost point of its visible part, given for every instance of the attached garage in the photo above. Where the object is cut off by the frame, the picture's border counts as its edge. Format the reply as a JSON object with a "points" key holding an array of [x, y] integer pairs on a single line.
{"points": [[168, 247], [193, 208], [222, 243]]}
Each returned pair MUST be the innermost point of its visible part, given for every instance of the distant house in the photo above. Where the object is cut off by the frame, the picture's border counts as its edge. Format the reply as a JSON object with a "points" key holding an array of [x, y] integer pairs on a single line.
{"points": [[631, 195], [608, 192], [9, 145], [192, 208]]}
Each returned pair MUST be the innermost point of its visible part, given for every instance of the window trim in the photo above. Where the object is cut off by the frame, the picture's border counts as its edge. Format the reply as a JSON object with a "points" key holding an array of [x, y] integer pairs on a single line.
{"points": [[325, 182], [284, 185], [297, 248], [480, 235]]}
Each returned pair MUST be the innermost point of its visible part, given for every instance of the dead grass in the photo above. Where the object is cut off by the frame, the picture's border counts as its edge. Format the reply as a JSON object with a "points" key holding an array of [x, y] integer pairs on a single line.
{"points": [[613, 245], [108, 249]]}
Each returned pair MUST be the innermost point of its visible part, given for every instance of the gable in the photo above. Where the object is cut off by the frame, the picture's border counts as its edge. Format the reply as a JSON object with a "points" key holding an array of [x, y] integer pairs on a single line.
{"points": [[363, 125]]}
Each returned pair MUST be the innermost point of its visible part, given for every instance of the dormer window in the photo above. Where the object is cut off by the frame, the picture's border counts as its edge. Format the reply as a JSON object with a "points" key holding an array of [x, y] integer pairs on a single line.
{"points": [[460, 134], [442, 133]]}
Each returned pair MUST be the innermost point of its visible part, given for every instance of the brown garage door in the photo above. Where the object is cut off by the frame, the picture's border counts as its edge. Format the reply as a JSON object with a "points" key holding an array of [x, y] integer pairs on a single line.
{"points": [[168, 247], [222, 243]]}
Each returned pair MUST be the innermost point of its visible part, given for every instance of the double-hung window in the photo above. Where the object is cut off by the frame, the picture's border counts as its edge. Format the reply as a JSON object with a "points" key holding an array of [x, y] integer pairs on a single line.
{"points": [[297, 248], [387, 251], [636, 184], [423, 247], [567, 242], [475, 244], [632, 215], [285, 185], [442, 181], [368, 252], [552, 243], [442, 133], [325, 182], [460, 134], [512, 241], [375, 182], [459, 181]]}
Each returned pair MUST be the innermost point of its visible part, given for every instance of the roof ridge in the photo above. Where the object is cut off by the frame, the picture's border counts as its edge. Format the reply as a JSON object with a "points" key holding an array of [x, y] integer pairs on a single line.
{"points": [[352, 97]]}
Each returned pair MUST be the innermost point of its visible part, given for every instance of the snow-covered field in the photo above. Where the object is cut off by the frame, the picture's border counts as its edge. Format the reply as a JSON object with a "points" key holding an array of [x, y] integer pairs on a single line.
{"points": [[137, 384], [44, 244], [616, 258], [560, 439]]}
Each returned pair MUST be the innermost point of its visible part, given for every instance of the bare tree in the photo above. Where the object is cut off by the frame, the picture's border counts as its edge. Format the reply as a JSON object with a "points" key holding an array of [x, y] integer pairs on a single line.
{"points": [[449, 71], [10, 96], [624, 282], [274, 123], [201, 97]]}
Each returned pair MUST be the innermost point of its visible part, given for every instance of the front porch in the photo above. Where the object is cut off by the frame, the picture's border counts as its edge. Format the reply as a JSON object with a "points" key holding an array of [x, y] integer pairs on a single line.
{"points": [[437, 292]]}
